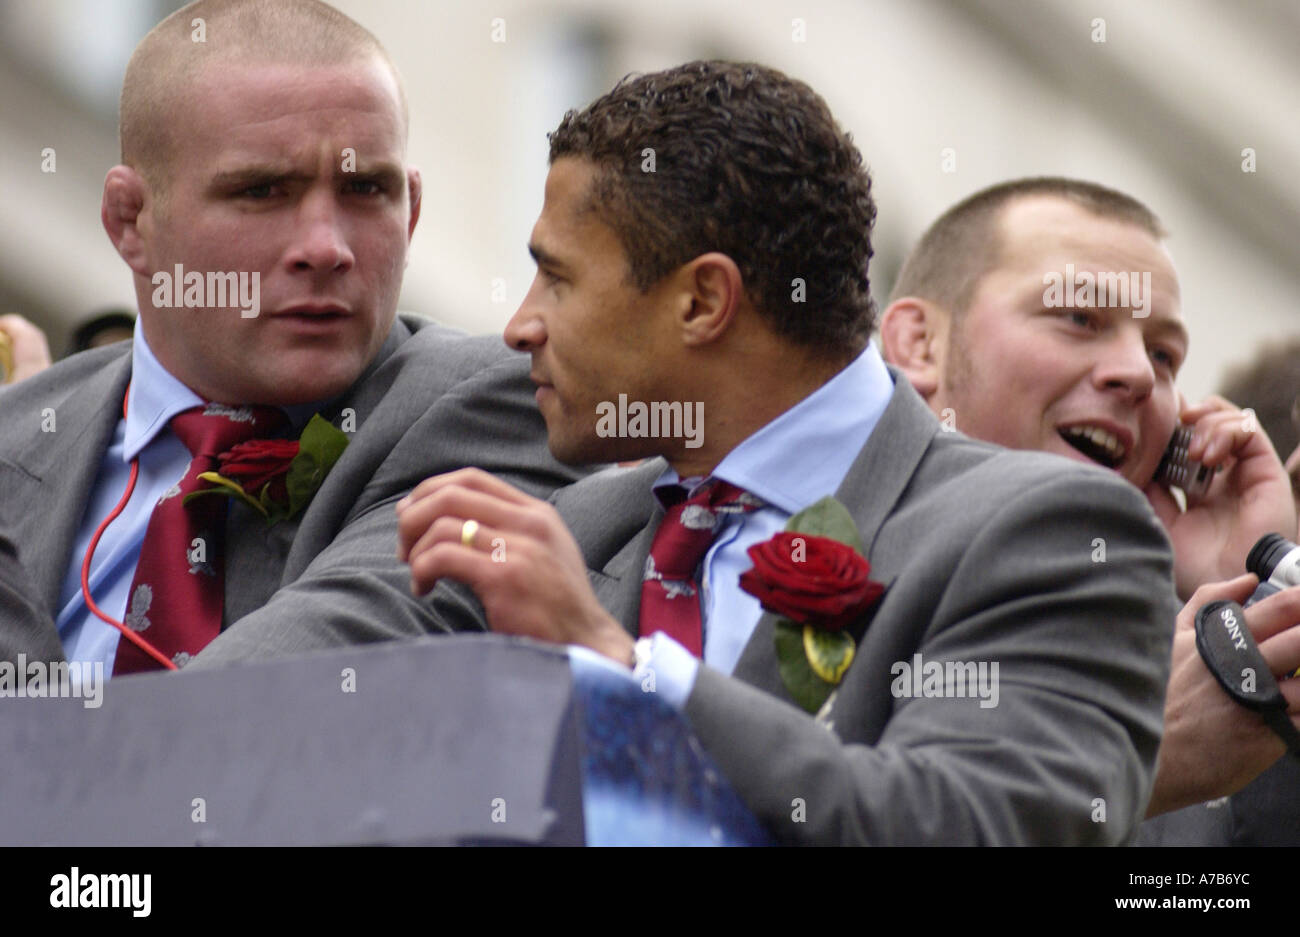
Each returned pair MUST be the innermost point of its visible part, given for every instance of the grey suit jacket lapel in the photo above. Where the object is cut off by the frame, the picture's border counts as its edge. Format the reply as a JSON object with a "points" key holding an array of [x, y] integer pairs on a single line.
{"points": [[875, 482], [291, 545], [870, 490], [85, 417], [613, 516], [261, 558], [618, 586], [369, 389]]}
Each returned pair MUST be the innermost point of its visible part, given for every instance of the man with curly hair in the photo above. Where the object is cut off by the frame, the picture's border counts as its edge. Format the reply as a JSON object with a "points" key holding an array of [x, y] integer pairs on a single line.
{"points": [[703, 247]]}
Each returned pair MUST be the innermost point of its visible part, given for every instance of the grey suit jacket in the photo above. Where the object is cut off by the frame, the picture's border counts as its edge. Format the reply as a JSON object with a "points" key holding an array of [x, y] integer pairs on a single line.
{"points": [[1266, 812], [988, 556], [20, 616], [433, 400]]}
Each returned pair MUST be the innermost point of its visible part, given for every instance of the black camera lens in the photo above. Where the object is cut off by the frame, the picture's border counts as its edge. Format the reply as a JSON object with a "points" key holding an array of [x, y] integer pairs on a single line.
{"points": [[1276, 561]]}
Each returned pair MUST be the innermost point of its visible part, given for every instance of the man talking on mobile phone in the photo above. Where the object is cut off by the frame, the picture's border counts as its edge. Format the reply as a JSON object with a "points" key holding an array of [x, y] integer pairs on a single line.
{"points": [[1045, 314]]}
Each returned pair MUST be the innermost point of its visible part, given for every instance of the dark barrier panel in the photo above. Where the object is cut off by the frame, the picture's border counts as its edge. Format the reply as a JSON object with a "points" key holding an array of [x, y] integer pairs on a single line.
{"points": [[472, 739]]}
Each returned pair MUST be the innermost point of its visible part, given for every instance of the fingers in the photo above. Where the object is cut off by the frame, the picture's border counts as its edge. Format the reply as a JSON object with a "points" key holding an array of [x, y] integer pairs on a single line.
{"points": [[1293, 473], [1291, 691], [31, 351], [442, 554], [1221, 429], [1272, 621], [1282, 654], [472, 478], [466, 533], [466, 494], [21, 330], [416, 520], [1235, 590], [1219, 435], [449, 530], [1191, 412], [1293, 462], [1275, 615]]}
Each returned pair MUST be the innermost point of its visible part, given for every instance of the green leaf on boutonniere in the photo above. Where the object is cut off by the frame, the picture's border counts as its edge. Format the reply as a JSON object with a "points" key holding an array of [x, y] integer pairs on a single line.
{"points": [[224, 487], [806, 688], [320, 446], [815, 579], [827, 518], [829, 653]]}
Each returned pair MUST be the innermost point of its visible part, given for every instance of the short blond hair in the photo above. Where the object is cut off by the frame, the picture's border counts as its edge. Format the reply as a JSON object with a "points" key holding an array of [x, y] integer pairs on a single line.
{"points": [[965, 242], [161, 74]]}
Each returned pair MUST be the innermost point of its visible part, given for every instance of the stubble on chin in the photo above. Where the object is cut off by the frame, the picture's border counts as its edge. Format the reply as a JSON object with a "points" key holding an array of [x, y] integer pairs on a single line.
{"points": [[576, 450]]}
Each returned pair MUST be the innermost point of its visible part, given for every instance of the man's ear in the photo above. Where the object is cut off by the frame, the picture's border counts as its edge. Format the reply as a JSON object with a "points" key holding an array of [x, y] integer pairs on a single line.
{"points": [[708, 292], [415, 188], [912, 336], [124, 197]]}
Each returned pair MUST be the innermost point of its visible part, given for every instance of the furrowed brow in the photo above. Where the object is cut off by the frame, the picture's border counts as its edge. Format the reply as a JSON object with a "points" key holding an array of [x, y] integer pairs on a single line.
{"points": [[543, 258], [389, 175], [255, 175]]}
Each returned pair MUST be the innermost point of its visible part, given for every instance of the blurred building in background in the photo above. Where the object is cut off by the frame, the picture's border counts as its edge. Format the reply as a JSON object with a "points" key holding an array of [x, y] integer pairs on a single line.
{"points": [[1164, 99]]}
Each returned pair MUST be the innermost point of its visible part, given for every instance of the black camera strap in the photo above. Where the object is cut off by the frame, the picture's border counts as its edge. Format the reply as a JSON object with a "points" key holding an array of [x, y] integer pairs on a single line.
{"points": [[1229, 651]]}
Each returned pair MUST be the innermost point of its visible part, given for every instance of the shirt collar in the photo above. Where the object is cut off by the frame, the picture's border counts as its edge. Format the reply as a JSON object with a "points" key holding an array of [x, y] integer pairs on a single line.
{"points": [[156, 395], [805, 453]]}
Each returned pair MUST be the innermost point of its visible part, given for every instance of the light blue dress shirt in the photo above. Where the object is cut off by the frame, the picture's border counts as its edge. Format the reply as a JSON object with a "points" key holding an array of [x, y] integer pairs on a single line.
{"points": [[154, 397], [792, 462]]}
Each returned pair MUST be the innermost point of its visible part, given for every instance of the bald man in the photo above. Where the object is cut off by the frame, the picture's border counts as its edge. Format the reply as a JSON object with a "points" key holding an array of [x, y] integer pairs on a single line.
{"points": [[978, 325], [264, 207]]}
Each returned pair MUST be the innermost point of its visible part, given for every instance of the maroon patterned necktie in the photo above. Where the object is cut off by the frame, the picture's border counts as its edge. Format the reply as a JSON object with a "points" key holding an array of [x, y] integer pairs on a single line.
{"points": [[670, 600], [178, 591]]}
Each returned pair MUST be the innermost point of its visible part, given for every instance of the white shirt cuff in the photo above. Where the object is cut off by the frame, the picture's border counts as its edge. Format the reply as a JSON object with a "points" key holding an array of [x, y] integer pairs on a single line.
{"points": [[666, 668]]}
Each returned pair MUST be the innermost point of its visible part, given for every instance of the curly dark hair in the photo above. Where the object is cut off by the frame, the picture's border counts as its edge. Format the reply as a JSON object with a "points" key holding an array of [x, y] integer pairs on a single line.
{"points": [[748, 162]]}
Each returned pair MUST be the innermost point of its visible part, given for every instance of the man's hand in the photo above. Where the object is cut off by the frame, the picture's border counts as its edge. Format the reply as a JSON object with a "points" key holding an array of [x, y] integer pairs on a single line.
{"points": [[1250, 497], [1212, 745], [1293, 470], [522, 562], [31, 352]]}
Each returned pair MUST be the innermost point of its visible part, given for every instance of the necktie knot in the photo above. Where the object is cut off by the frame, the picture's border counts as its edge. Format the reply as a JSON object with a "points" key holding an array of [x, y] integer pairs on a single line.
{"points": [[669, 597], [702, 510], [214, 428]]}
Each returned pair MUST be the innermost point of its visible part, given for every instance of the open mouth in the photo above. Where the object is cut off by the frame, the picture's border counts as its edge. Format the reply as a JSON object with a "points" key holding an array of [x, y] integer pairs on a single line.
{"points": [[1097, 444]]}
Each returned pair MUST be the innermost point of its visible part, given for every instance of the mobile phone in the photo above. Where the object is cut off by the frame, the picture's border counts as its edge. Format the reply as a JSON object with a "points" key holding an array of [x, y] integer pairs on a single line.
{"points": [[6, 358], [1176, 470]]}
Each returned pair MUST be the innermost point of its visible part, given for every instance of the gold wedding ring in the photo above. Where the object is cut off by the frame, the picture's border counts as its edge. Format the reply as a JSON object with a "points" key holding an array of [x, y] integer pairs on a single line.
{"points": [[467, 532]]}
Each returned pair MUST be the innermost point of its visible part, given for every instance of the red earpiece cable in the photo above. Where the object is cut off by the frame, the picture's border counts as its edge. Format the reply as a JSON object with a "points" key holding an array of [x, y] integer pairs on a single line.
{"points": [[127, 633]]}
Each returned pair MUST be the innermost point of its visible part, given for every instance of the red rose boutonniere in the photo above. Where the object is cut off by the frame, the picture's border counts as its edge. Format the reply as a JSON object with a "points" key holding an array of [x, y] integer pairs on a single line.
{"points": [[814, 577], [258, 464], [277, 477]]}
